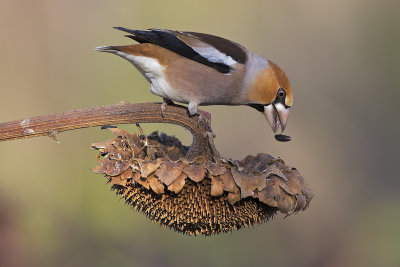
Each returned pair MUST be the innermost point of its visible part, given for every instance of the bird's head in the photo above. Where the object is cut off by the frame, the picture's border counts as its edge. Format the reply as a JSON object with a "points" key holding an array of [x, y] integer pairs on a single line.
{"points": [[271, 93]]}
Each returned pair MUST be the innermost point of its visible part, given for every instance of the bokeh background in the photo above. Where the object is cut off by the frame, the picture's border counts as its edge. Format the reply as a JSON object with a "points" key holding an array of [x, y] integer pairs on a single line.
{"points": [[343, 60]]}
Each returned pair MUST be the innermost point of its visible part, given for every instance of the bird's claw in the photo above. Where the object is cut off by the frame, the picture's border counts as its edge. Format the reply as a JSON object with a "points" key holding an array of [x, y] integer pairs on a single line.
{"points": [[204, 115], [164, 104]]}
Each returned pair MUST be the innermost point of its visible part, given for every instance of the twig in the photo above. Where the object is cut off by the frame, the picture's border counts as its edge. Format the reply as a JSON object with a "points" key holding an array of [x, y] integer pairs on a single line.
{"points": [[122, 113]]}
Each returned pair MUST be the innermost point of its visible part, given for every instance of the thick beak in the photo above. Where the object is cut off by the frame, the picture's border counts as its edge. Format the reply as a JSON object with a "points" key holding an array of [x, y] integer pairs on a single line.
{"points": [[276, 114]]}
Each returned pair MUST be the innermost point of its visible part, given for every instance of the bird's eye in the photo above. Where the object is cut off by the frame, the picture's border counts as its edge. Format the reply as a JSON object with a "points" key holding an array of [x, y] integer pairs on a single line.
{"points": [[281, 93]]}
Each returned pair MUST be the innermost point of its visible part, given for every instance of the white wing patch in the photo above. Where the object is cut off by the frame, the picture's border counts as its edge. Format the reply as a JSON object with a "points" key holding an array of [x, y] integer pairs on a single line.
{"points": [[214, 55]]}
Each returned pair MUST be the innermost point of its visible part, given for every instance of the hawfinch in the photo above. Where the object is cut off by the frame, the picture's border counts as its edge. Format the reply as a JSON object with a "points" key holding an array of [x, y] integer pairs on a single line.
{"points": [[202, 69]]}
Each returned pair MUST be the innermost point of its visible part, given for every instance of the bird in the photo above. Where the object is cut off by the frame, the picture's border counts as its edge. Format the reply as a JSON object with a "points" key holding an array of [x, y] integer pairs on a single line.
{"points": [[203, 69]]}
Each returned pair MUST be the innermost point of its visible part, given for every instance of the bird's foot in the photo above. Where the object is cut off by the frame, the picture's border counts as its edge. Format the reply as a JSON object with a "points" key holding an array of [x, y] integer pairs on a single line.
{"points": [[204, 115], [165, 102]]}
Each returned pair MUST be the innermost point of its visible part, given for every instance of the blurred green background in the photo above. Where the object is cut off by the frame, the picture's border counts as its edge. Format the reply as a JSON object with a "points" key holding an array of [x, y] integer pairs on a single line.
{"points": [[343, 61]]}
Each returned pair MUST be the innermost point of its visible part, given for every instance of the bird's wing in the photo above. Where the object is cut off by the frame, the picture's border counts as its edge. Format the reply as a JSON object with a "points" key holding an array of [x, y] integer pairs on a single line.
{"points": [[213, 51]]}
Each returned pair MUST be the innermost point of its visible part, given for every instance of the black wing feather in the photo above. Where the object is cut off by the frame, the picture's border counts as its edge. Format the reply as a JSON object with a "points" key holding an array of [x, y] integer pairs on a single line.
{"points": [[171, 42]]}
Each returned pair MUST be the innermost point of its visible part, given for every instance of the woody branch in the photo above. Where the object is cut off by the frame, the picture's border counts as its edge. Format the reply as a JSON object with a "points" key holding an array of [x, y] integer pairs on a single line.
{"points": [[122, 113]]}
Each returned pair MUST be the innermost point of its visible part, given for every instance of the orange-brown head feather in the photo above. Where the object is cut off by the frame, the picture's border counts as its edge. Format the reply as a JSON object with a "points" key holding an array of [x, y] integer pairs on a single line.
{"points": [[283, 81], [267, 83]]}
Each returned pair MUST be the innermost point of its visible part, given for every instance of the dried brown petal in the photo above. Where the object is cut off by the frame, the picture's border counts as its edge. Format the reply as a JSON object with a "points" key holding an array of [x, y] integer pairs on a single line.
{"points": [[287, 203], [169, 171], [100, 169], [127, 174], [294, 183], [140, 180], [273, 170], [135, 144], [118, 180], [248, 184], [149, 166], [233, 198], [195, 172], [270, 194], [178, 184], [115, 153], [200, 161], [279, 163], [274, 196], [301, 202], [214, 169], [255, 163], [228, 182], [282, 184], [102, 146], [155, 184], [299, 187], [116, 167], [109, 165], [216, 186]]}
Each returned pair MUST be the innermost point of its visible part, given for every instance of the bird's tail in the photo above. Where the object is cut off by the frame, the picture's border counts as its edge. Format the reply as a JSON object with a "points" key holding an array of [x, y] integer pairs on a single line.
{"points": [[148, 36]]}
